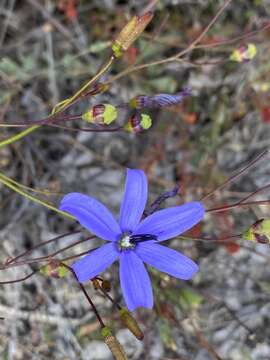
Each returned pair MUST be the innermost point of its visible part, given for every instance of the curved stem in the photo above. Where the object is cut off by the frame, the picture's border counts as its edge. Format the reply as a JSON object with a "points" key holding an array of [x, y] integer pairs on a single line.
{"points": [[19, 280], [27, 252], [63, 106], [175, 57], [86, 295], [237, 175], [39, 191], [34, 199]]}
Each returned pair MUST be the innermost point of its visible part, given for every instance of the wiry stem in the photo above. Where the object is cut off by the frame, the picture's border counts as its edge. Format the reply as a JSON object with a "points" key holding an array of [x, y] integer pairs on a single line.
{"points": [[62, 106], [27, 252], [19, 280], [175, 57], [238, 204], [7, 183], [237, 175], [86, 295], [46, 257]]}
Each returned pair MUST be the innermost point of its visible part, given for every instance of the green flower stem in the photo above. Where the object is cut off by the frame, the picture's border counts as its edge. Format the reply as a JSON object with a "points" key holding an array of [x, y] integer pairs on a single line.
{"points": [[15, 188], [60, 107], [39, 191], [18, 136]]}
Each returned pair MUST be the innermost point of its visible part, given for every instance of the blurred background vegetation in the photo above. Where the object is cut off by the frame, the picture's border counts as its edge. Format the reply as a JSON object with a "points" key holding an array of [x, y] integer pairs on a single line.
{"points": [[48, 49]]}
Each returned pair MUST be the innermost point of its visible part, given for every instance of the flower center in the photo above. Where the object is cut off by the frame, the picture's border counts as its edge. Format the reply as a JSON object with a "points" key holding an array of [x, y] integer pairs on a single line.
{"points": [[128, 241], [125, 243]]}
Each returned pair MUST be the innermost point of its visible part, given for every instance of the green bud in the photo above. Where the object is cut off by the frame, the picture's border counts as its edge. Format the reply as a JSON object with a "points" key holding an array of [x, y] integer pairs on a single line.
{"points": [[146, 121], [101, 114], [130, 322], [138, 123], [54, 269], [244, 53], [130, 33], [258, 232]]}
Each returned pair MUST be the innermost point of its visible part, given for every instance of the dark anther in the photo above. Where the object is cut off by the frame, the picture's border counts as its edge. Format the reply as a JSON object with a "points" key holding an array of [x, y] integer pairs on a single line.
{"points": [[142, 238]]}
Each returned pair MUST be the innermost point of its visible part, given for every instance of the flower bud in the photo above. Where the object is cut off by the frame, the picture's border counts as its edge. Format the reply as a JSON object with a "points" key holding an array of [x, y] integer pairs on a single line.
{"points": [[101, 114], [130, 32], [106, 285], [244, 53], [101, 284], [130, 322], [158, 100], [54, 269], [138, 123], [113, 344], [95, 283], [259, 232]]}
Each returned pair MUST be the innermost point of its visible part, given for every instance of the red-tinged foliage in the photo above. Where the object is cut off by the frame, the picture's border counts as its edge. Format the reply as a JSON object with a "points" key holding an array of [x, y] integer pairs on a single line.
{"points": [[225, 222], [131, 55], [265, 113], [232, 247], [190, 118], [167, 312], [69, 8], [196, 231]]}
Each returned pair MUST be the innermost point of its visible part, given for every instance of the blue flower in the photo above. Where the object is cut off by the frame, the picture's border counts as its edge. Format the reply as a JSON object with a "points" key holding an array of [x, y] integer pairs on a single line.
{"points": [[133, 241]]}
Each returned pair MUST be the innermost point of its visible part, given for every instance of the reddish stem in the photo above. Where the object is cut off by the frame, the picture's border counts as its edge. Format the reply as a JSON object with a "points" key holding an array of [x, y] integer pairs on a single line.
{"points": [[19, 280], [238, 204], [236, 176], [86, 295]]}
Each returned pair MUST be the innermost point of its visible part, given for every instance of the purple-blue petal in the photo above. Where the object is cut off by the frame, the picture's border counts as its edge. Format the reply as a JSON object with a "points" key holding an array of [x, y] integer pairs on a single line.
{"points": [[167, 260], [92, 215], [135, 282], [134, 199], [168, 223], [96, 262]]}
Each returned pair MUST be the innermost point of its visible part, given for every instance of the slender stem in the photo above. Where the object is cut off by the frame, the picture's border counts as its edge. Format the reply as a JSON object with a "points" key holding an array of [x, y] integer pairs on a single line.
{"points": [[18, 136], [177, 55], [45, 121], [34, 199], [64, 106], [38, 191], [19, 280], [246, 35], [254, 193], [207, 28], [215, 240], [12, 181], [11, 261], [66, 103], [236, 176], [105, 129], [78, 255], [110, 298], [238, 204], [46, 257], [86, 295]]}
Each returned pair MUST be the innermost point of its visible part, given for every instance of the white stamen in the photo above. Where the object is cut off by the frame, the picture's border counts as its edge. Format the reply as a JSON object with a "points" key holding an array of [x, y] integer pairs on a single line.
{"points": [[124, 242]]}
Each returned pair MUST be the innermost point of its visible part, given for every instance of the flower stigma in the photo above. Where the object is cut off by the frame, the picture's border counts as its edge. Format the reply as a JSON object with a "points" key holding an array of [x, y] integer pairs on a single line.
{"points": [[125, 243], [129, 242]]}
